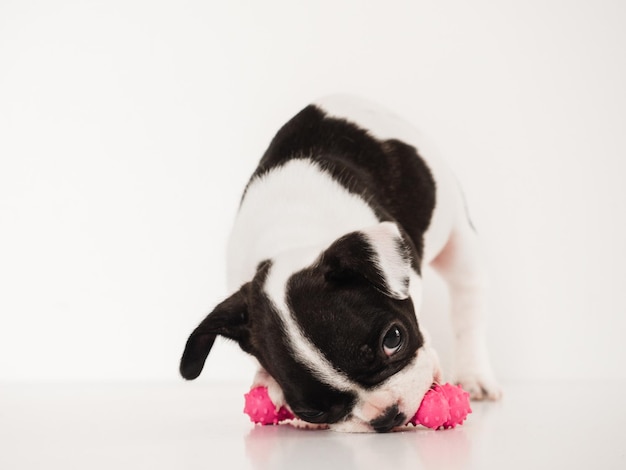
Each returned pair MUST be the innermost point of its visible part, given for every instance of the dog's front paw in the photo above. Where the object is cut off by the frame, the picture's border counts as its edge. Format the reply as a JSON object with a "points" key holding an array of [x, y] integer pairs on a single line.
{"points": [[264, 379], [480, 386]]}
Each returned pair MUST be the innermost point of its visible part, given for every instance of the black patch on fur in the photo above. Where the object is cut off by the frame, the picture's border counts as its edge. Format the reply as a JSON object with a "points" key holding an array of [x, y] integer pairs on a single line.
{"points": [[352, 255], [389, 175], [346, 316], [390, 418], [304, 393], [249, 318], [228, 319], [235, 318]]}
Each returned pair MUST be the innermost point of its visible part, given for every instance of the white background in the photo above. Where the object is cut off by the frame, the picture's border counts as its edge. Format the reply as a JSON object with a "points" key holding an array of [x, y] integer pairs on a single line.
{"points": [[129, 128]]}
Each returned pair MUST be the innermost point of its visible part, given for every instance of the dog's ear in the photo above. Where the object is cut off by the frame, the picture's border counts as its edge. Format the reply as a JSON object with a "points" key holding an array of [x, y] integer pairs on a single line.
{"points": [[229, 319], [379, 254]]}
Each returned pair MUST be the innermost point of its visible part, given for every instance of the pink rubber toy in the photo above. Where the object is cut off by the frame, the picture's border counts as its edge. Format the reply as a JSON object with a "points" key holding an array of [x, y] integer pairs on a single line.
{"points": [[443, 407], [261, 410]]}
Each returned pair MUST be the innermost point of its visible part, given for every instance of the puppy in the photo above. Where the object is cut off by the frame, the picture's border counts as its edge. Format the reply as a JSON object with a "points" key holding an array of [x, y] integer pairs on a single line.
{"points": [[346, 207]]}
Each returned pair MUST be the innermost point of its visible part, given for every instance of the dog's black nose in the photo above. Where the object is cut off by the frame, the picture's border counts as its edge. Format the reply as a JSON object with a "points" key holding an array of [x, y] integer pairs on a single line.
{"points": [[388, 420]]}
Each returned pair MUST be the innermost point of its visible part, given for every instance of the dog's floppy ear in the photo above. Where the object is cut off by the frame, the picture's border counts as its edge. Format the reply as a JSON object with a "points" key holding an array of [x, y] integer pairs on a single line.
{"points": [[228, 319], [379, 254]]}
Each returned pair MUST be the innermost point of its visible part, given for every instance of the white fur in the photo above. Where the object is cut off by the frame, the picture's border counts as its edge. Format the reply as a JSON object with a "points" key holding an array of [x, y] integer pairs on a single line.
{"points": [[389, 260], [293, 206], [460, 264], [405, 388], [292, 213]]}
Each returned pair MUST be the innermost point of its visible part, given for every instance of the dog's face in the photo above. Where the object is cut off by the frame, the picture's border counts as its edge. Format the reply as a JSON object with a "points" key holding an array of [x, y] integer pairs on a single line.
{"points": [[337, 331]]}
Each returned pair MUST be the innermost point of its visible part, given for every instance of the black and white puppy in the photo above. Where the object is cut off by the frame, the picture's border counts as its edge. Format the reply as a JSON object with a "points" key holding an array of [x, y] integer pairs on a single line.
{"points": [[324, 265]]}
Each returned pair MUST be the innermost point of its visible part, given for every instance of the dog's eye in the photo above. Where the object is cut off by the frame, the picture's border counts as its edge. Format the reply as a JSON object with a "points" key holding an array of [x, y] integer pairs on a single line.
{"points": [[392, 341]]}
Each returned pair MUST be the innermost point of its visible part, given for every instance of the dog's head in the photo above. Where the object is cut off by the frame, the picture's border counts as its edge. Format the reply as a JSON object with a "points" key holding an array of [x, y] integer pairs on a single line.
{"points": [[337, 331]]}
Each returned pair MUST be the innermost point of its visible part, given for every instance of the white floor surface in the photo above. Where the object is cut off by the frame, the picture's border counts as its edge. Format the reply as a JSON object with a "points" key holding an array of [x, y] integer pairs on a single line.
{"points": [[552, 425]]}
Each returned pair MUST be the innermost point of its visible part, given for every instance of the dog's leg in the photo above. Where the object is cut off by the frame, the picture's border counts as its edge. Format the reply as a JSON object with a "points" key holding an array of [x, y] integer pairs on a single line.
{"points": [[263, 379], [460, 264]]}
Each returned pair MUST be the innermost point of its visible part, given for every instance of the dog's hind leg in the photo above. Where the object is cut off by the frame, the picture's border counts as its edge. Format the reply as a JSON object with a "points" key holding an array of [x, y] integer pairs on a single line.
{"points": [[461, 266]]}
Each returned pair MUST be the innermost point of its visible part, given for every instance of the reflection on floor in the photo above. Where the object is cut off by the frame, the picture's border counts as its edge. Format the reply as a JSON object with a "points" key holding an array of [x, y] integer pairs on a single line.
{"points": [[199, 425]]}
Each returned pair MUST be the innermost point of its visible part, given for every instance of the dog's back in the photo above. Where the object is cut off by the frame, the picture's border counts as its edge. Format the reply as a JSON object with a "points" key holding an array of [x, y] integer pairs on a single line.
{"points": [[340, 164]]}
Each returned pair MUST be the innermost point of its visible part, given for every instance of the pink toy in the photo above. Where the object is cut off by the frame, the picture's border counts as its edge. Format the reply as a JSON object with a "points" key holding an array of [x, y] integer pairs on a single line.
{"points": [[444, 406], [261, 410]]}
